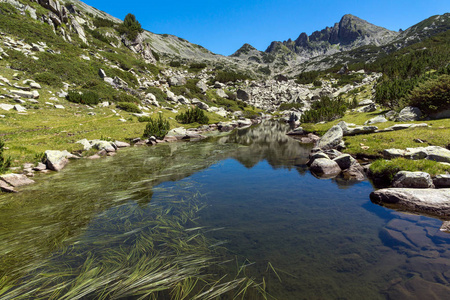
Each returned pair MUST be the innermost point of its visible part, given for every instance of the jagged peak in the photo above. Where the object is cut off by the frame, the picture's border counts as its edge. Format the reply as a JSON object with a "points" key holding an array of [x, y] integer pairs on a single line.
{"points": [[245, 49]]}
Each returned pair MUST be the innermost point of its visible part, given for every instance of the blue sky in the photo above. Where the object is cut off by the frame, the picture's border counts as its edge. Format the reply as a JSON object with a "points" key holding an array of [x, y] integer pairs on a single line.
{"points": [[224, 26]]}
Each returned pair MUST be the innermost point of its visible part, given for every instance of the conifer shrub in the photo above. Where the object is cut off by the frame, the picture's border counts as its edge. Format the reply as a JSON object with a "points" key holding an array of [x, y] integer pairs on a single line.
{"points": [[83, 97], [227, 76], [48, 79], [131, 27], [325, 109], [124, 97], [129, 107], [5, 162], [193, 115], [307, 77], [101, 22], [175, 64], [157, 127], [431, 96]]}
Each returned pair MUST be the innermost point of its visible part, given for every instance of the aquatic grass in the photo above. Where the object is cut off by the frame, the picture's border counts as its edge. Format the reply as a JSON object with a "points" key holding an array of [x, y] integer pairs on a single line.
{"points": [[130, 251]]}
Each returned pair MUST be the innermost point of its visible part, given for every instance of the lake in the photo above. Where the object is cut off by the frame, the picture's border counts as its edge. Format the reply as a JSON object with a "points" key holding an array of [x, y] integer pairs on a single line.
{"points": [[236, 213]]}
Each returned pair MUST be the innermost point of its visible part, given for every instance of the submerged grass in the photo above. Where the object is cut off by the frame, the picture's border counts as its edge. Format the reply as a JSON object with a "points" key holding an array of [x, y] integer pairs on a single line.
{"points": [[134, 252]]}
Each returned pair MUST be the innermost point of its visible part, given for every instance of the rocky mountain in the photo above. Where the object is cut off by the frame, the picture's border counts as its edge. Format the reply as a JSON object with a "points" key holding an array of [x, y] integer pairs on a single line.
{"points": [[351, 40]]}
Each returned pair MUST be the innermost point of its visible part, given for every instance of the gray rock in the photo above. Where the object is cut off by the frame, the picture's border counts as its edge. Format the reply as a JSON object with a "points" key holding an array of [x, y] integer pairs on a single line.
{"points": [[243, 95], [6, 107], [409, 113], [20, 108], [405, 179], [101, 73], [202, 86], [221, 93], [361, 130], [103, 145], [179, 133], [296, 131], [325, 167], [56, 160], [354, 172], [16, 180], [177, 81], [23, 94], [365, 102], [442, 181], [332, 153], [40, 167], [86, 145], [399, 127], [391, 115], [430, 201], [368, 108], [120, 144], [438, 154], [59, 106], [377, 119], [345, 161], [393, 153], [416, 153], [332, 138], [244, 122]]}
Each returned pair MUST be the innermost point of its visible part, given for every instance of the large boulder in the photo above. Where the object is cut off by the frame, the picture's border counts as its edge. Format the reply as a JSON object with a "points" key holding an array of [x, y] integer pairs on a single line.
{"points": [[405, 179], [430, 201], [103, 145], [332, 138], [368, 108], [438, 154], [377, 119], [325, 167], [56, 160], [179, 133], [409, 113]]}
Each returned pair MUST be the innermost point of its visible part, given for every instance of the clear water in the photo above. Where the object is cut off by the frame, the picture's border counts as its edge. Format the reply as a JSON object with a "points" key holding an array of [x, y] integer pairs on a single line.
{"points": [[307, 238]]}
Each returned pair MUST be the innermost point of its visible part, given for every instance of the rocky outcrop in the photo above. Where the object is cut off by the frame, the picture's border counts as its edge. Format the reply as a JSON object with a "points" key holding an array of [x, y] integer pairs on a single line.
{"points": [[442, 181], [434, 202]]}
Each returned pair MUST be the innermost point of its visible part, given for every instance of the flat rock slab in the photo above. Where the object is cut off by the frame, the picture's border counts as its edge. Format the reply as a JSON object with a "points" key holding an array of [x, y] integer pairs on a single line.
{"points": [[16, 180], [430, 201]]}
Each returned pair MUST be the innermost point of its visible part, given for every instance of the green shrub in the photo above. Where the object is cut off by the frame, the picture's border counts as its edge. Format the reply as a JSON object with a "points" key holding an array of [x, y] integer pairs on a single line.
{"points": [[432, 95], [144, 119], [197, 67], [5, 162], [155, 55], [129, 107], [265, 70], [227, 76], [175, 64], [317, 83], [157, 127], [124, 97], [48, 79], [194, 115], [250, 114], [83, 97], [100, 22], [307, 77]]}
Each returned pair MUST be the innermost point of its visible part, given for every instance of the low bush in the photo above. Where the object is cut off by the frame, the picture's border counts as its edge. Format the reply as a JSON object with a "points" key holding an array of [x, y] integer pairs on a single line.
{"points": [[175, 64], [307, 77], [227, 76], [83, 97], [194, 115], [288, 106], [129, 107], [124, 97], [158, 93], [5, 162], [157, 127]]}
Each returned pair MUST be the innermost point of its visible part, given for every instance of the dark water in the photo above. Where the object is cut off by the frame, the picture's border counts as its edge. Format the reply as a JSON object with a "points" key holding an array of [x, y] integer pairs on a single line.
{"points": [[306, 238]]}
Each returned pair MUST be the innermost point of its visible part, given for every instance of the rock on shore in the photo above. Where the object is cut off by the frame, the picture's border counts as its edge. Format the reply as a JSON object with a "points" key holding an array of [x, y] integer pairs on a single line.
{"points": [[430, 201]]}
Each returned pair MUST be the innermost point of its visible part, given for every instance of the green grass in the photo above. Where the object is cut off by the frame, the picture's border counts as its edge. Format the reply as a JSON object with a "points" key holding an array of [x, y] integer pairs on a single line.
{"points": [[388, 168]]}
